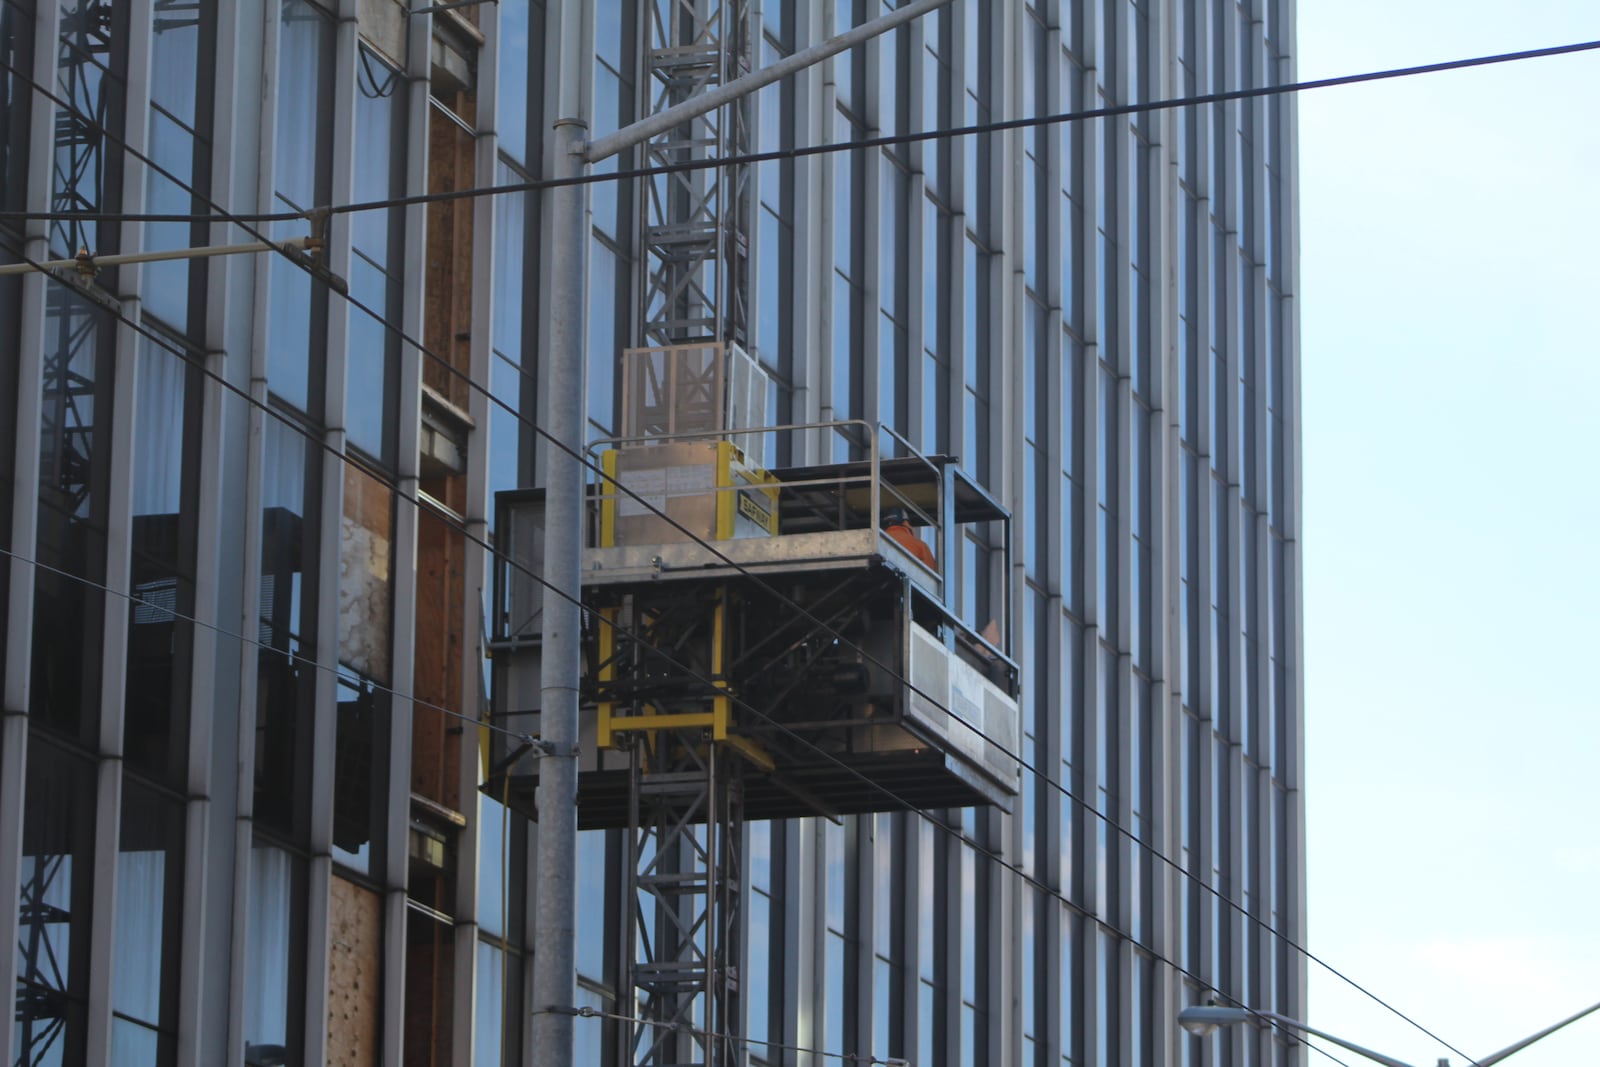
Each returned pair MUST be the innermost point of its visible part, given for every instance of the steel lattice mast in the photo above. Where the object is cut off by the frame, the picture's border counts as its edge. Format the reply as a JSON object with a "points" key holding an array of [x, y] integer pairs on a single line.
{"points": [[695, 225], [681, 915], [696, 245]]}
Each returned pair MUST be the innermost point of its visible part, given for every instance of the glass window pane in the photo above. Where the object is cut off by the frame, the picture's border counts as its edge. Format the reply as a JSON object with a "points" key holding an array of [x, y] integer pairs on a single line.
{"points": [[147, 937], [57, 880], [304, 88], [165, 285], [758, 990], [16, 28], [133, 1044], [74, 435], [604, 303], [163, 491], [274, 927], [491, 1008], [512, 98], [593, 867], [286, 686]]}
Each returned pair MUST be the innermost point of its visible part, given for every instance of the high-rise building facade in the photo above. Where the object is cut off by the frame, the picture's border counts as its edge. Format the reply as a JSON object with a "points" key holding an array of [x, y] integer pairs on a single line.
{"points": [[247, 518]]}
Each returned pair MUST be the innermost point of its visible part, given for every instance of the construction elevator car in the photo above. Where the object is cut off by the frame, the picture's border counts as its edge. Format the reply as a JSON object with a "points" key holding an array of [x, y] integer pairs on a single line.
{"points": [[765, 611]]}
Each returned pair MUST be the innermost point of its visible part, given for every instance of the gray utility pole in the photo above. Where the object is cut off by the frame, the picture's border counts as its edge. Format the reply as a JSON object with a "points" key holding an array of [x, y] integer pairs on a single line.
{"points": [[555, 880]]}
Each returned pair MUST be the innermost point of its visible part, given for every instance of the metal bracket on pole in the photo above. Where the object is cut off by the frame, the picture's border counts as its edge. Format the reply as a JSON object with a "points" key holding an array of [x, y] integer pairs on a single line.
{"points": [[88, 265]]}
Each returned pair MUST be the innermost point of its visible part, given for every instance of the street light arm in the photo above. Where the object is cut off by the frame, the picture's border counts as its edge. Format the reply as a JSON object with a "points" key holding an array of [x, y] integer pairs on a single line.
{"points": [[1295, 1024], [603, 148], [1496, 1057]]}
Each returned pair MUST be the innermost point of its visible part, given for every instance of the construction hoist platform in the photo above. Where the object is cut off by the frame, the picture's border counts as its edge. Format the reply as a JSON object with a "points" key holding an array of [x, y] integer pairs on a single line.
{"points": [[760, 642]]}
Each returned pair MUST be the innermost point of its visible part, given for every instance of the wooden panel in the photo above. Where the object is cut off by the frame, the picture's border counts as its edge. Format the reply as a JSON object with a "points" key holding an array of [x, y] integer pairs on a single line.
{"points": [[383, 25], [441, 591], [355, 975], [448, 307], [430, 982], [365, 569]]}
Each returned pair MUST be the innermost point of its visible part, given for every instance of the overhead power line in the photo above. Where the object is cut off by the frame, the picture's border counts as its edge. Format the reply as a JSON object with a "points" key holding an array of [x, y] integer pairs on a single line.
{"points": [[818, 150], [778, 155], [244, 220], [938, 825], [951, 831], [172, 346]]}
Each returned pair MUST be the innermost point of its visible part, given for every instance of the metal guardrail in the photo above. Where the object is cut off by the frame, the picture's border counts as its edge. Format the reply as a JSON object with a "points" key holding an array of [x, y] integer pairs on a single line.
{"points": [[867, 440], [872, 480]]}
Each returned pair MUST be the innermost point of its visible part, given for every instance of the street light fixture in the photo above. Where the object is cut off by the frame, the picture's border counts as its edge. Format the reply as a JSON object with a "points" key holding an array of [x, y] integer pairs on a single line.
{"points": [[1204, 1019]]}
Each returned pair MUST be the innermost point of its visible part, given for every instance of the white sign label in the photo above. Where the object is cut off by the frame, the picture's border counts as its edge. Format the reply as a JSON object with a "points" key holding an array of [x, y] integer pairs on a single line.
{"points": [[650, 485]]}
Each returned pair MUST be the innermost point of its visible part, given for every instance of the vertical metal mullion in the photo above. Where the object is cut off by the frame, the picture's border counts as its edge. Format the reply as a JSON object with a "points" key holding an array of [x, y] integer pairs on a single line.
{"points": [[124, 419], [1122, 886], [1211, 718], [119, 543], [911, 946], [1054, 841], [947, 1000], [478, 508], [628, 915], [1095, 612], [805, 928], [869, 192], [107, 818], [24, 518], [239, 35], [1236, 712], [24, 543], [923, 259], [1163, 734], [396, 825], [333, 436], [25, 513], [1294, 652], [813, 264], [827, 120], [1010, 35], [867, 918], [217, 844]]}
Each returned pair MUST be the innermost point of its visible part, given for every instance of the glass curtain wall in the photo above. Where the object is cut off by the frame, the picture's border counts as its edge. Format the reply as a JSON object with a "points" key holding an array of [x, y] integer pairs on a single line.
{"points": [[1095, 317]]}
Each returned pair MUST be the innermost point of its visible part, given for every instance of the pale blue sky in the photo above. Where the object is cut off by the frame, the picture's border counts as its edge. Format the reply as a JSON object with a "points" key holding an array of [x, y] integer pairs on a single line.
{"points": [[1450, 281]]}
